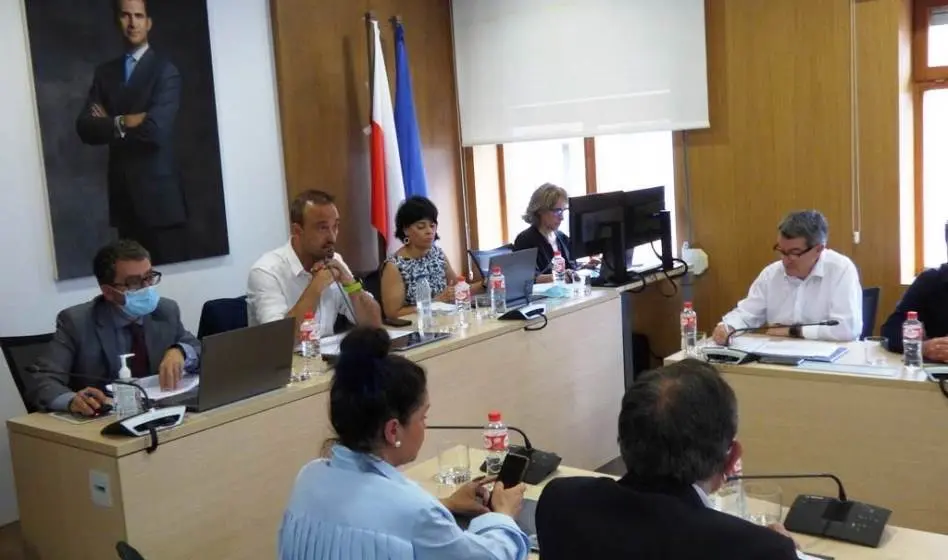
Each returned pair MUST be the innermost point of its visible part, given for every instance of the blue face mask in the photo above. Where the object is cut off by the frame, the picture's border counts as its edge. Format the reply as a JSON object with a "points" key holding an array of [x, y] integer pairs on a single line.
{"points": [[139, 303]]}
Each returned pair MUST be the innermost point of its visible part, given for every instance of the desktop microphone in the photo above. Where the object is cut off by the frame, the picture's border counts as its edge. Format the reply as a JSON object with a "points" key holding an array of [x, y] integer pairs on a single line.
{"points": [[834, 518], [147, 422], [541, 463]]}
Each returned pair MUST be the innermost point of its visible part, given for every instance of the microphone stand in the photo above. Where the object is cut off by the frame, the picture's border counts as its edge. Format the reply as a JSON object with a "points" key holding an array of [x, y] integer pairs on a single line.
{"points": [[540, 464]]}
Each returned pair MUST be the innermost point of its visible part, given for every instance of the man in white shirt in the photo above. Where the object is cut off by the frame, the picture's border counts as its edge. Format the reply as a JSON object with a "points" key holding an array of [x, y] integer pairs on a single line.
{"points": [[809, 284], [307, 274]]}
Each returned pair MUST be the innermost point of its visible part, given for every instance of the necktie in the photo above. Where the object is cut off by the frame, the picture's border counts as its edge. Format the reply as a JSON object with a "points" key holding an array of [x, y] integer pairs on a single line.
{"points": [[139, 362], [129, 66]]}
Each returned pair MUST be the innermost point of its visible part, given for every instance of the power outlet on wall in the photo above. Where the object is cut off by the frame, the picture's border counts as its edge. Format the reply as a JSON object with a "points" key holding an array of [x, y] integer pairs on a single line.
{"points": [[100, 488]]}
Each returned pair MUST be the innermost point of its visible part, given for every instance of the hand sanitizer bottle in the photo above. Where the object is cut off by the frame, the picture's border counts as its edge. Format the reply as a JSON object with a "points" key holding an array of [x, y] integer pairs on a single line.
{"points": [[126, 396]]}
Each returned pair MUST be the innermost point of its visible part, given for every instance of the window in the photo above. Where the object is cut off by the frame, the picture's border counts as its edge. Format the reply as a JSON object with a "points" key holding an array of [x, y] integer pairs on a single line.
{"points": [[502, 178], [627, 162], [930, 79], [527, 165]]}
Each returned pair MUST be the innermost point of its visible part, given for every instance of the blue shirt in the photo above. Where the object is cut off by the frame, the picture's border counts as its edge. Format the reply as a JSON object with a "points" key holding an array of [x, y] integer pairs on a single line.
{"points": [[354, 505]]}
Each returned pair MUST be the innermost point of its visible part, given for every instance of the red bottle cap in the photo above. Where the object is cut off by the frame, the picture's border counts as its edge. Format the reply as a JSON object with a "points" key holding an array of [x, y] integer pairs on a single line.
{"points": [[493, 416]]}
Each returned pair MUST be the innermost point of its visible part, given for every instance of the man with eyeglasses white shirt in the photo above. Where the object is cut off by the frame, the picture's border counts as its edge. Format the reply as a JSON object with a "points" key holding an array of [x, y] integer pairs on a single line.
{"points": [[809, 284]]}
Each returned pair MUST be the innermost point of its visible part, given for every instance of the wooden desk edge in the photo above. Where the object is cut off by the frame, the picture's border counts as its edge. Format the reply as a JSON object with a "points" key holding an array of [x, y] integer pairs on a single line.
{"points": [[785, 372], [87, 435]]}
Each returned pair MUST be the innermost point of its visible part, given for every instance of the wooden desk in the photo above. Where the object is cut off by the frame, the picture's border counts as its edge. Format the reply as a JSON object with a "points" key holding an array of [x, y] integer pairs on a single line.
{"points": [[883, 435], [897, 543], [218, 484]]}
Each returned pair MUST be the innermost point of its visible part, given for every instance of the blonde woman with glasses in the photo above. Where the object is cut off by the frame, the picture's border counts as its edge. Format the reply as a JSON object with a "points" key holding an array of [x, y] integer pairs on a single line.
{"points": [[545, 211]]}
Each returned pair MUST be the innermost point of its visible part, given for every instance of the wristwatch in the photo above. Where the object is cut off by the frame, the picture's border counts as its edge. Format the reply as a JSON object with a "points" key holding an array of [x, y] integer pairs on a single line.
{"points": [[352, 287], [796, 331]]}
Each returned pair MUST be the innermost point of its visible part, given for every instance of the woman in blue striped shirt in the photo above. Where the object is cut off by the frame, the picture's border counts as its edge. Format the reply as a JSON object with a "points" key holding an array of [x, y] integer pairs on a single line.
{"points": [[356, 504]]}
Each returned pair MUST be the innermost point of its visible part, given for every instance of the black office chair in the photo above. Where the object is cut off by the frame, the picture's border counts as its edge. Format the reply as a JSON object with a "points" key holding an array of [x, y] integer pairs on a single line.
{"points": [[481, 259], [222, 315], [127, 552], [870, 305], [20, 352]]}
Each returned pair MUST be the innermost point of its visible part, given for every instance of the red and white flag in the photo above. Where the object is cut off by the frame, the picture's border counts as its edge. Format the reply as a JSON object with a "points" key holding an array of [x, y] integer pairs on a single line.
{"points": [[388, 187]]}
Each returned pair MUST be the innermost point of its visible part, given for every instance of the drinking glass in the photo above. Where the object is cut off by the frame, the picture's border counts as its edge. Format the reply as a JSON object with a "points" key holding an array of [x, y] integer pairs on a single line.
{"points": [[481, 306], [701, 340], [454, 463], [875, 348], [764, 505]]}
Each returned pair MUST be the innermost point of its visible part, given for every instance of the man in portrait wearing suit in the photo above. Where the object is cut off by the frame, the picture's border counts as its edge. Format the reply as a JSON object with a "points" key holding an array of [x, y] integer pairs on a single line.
{"points": [[127, 318], [131, 107]]}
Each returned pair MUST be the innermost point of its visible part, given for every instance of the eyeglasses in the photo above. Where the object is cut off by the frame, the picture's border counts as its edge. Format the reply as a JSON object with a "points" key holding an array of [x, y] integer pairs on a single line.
{"points": [[793, 253], [151, 278], [558, 211]]}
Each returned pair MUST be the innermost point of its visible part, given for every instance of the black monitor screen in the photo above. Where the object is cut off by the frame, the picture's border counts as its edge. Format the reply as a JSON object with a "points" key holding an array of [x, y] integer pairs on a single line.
{"points": [[594, 220], [642, 222]]}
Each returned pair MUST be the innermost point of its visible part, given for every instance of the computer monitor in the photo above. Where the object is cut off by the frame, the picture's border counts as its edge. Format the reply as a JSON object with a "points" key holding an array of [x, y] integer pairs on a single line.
{"points": [[647, 221], [597, 227]]}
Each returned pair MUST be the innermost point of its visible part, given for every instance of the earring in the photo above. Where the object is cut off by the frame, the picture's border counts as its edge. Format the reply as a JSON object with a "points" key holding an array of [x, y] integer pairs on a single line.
{"points": [[398, 443]]}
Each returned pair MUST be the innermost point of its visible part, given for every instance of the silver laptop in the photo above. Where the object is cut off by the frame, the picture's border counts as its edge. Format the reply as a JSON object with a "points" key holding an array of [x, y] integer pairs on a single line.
{"points": [[519, 269], [241, 363]]}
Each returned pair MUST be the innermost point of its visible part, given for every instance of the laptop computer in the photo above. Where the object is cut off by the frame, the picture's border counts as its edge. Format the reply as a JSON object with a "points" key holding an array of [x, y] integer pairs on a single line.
{"points": [[241, 363], [519, 268]]}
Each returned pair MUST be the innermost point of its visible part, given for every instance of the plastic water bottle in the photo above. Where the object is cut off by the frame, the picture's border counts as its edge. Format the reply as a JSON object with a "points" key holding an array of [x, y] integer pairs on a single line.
{"points": [[689, 330], [462, 300], [126, 396], [730, 496], [913, 332], [559, 268], [498, 292], [423, 304], [496, 442], [309, 344]]}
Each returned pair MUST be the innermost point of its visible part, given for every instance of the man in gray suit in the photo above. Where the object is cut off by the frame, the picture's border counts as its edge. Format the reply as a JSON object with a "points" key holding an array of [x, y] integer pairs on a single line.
{"points": [[127, 318]]}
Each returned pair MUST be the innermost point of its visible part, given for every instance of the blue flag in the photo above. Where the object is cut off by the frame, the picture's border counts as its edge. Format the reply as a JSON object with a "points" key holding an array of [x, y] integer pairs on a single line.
{"points": [[406, 125]]}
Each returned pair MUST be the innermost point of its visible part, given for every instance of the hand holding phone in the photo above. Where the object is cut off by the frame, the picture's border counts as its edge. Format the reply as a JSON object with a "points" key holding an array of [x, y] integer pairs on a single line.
{"points": [[513, 470]]}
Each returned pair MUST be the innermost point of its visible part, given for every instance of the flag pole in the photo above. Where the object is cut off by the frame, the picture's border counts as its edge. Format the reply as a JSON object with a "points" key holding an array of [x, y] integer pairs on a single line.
{"points": [[370, 53]]}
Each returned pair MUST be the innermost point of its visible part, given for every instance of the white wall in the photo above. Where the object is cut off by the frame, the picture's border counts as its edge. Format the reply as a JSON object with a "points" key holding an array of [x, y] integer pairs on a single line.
{"points": [[254, 190]]}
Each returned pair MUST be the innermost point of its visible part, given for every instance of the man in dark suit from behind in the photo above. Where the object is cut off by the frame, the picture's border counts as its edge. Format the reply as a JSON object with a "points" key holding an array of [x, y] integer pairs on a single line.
{"points": [[676, 436], [131, 107], [128, 317]]}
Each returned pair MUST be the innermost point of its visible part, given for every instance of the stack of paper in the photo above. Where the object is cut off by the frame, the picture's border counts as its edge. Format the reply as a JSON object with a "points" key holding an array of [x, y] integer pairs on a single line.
{"points": [[152, 386], [329, 345], [812, 350]]}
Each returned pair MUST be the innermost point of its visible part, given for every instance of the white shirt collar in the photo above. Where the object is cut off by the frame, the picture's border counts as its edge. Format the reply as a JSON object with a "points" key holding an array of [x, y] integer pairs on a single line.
{"points": [[703, 495], [139, 52], [296, 267]]}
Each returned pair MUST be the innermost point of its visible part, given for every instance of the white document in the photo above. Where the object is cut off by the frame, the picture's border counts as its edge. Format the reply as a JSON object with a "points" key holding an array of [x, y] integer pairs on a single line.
{"points": [[329, 345], [152, 386], [808, 349], [442, 307]]}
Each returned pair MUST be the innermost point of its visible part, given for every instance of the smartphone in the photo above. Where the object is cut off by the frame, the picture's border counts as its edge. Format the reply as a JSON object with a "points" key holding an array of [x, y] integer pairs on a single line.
{"points": [[513, 470]]}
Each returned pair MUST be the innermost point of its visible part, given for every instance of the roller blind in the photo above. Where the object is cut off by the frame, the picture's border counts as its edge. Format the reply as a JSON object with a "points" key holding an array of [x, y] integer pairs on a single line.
{"points": [[542, 69]]}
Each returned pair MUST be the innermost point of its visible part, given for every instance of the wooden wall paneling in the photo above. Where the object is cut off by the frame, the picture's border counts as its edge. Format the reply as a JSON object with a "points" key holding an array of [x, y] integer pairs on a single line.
{"points": [[589, 154], [323, 77], [779, 103], [878, 255]]}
